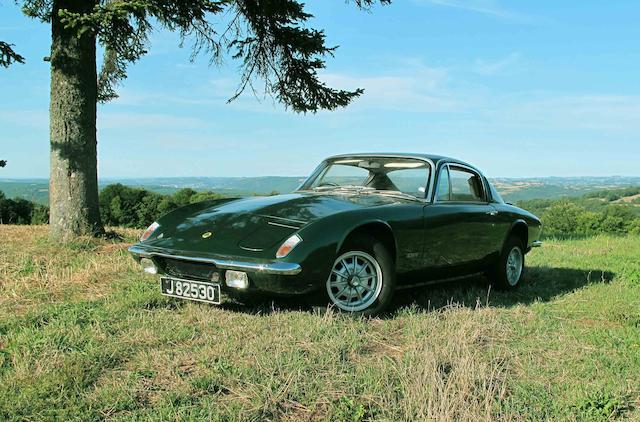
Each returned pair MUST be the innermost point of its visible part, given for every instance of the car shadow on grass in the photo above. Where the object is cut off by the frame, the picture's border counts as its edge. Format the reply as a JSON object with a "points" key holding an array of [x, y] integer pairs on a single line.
{"points": [[541, 284]]}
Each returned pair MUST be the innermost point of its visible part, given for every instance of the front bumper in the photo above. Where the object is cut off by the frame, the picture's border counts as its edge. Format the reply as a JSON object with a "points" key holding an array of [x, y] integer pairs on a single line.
{"points": [[266, 267], [265, 277]]}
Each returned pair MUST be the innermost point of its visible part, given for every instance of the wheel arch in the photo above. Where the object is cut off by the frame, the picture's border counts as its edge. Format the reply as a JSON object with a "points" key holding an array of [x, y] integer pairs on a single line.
{"points": [[519, 228], [379, 229]]}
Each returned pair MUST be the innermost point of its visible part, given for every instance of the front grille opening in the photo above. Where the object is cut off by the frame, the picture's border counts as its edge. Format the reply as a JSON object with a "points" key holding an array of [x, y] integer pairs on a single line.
{"points": [[188, 269]]}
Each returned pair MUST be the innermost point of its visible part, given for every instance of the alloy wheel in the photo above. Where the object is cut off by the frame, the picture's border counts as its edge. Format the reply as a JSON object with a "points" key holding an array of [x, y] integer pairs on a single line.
{"points": [[355, 281]]}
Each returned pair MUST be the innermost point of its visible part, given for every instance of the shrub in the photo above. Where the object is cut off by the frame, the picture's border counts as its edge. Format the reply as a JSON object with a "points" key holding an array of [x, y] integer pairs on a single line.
{"points": [[562, 219], [137, 208]]}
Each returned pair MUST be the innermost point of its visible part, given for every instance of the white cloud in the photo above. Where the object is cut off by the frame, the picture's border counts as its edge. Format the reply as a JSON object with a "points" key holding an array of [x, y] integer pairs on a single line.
{"points": [[488, 67], [417, 88], [485, 7]]}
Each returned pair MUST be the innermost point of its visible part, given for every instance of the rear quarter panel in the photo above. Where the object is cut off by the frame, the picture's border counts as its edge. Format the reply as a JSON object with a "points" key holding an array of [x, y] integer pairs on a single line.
{"points": [[510, 215]]}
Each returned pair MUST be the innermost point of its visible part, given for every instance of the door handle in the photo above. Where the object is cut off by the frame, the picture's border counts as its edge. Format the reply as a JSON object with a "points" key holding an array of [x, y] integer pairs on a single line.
{"points": [[492, 213]]}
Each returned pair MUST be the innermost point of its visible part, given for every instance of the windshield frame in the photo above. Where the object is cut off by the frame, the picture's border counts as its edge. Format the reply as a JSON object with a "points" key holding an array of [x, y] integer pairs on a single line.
{"points": [[305, 186]]}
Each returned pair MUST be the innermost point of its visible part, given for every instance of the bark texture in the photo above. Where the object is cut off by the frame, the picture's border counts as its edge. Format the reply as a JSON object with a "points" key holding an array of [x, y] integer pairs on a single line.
{"points": [[73, 184]]}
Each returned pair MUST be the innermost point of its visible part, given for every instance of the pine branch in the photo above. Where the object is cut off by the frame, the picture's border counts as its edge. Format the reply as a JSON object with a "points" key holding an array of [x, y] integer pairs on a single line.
{"points": [[269, 37], [8, 56]]}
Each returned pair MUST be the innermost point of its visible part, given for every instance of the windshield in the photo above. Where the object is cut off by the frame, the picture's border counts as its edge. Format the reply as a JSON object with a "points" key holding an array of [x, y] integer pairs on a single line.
{"points": [[386, 175]]}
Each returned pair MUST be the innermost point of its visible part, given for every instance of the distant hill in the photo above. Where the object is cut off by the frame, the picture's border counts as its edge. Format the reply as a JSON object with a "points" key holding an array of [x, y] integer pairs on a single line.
{"points": [[627, 197], [512, 189]]}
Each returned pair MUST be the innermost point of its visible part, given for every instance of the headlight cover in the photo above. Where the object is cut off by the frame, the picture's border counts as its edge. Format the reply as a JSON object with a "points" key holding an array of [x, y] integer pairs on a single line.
{"points": [[288, 246], [147, 233]]}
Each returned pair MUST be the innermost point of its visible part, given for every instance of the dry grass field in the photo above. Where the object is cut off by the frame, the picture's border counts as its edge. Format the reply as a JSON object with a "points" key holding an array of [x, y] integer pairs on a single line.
{"points": [[84, 335]]}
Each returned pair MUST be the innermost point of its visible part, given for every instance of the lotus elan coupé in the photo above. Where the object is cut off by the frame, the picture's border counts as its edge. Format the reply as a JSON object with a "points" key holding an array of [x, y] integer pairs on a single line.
{"points": [[361, 226]]}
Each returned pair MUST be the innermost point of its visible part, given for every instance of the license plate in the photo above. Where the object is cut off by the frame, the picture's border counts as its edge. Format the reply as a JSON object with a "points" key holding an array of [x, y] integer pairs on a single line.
{"points": [[192, 290]]}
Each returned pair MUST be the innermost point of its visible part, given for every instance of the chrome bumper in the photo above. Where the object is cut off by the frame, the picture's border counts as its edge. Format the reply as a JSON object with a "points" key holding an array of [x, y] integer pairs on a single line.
{"points": [[273, 267], [536, 244]]}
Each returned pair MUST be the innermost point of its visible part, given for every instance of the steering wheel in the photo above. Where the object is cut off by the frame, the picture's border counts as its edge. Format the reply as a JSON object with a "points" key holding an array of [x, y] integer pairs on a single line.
{"points": [[328, 184]]}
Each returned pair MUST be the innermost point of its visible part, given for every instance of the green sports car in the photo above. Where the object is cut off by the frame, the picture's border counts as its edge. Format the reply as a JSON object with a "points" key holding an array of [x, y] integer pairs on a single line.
{"points": [[360, 227]]}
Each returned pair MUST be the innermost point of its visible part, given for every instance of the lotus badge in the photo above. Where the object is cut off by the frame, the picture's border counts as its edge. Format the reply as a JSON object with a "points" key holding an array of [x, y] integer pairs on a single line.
{"points": [[206, 235]]}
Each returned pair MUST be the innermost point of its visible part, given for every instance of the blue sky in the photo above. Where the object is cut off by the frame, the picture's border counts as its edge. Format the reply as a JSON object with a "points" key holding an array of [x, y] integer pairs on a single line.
{"points": [[519, 88]]}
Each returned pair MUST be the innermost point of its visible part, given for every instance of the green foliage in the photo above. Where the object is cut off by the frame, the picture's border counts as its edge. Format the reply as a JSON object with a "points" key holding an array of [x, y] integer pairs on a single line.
{"points": [[7, 57], [125, 206], [614, 194], [562, 218], [120, 206], [204, 196], [129, 207], [183, 196], [349, 410], [21, 211], [608, 211], [600, 406], [569, 219]]}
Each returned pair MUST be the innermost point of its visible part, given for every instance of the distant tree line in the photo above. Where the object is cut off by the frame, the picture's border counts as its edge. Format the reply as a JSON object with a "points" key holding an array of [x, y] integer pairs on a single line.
{"points": [[120, 206], [566, 218], [125, 206], [616, 194], [22, 211]]}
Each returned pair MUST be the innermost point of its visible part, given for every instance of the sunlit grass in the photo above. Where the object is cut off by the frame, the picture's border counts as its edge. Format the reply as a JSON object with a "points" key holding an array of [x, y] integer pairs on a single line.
{"points": [[84, 335]]}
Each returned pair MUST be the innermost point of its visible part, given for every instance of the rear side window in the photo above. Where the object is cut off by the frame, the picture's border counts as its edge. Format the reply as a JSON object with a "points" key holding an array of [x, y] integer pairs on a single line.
{"points": [[466, 186], [457, 184]]}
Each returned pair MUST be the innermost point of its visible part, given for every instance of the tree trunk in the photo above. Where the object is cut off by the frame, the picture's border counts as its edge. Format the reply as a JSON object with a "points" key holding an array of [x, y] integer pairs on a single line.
{"points": [[73, 184]]}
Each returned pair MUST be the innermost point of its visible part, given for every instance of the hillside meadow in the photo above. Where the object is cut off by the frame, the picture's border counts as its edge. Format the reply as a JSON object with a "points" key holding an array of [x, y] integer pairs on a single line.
{"points": [[84, 335]]}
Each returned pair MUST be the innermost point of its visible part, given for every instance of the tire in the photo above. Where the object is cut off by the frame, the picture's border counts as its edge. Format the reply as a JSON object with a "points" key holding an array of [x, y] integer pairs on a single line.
{"points": [[362, 280], [508, 272]]}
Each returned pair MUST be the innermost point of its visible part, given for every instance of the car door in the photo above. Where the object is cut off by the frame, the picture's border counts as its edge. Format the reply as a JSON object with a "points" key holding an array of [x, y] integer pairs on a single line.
{"points": [[460, 223]]}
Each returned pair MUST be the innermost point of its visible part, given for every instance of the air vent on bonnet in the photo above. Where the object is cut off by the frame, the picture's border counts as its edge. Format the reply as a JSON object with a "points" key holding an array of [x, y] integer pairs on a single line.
{"points": [[270, 235]]}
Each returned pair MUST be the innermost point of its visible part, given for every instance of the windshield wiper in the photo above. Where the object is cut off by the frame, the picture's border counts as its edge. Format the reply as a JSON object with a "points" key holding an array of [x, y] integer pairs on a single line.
{"points": [[343, 188]]}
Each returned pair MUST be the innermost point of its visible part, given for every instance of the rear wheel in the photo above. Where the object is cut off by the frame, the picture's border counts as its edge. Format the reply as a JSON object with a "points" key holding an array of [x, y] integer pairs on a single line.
{"points": [[362, 278], [508, 272]]}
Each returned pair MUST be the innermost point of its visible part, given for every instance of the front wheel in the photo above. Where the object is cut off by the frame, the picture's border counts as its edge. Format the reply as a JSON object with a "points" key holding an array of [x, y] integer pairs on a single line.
{"points": [[362, 278], [508, 272]]}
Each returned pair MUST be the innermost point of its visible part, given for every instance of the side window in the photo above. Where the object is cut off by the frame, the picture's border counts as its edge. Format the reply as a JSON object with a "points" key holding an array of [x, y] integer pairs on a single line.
{"points": [[466, 186], [443, 185]]}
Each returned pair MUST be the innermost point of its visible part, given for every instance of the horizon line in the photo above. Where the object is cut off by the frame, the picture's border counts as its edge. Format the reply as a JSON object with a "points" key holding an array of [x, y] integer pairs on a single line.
{"points": [[613, 176]]}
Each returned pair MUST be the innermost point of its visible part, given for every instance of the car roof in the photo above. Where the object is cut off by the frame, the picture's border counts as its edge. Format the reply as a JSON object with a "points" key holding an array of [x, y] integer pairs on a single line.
{"points": [[435, 158]]}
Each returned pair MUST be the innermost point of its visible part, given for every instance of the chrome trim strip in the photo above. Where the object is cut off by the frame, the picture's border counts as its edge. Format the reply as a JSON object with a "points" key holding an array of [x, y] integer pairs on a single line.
{"points": [[273, 223], [536, 244], [281, 268], [246, 248], [291, 220]]}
